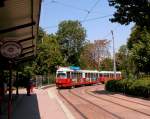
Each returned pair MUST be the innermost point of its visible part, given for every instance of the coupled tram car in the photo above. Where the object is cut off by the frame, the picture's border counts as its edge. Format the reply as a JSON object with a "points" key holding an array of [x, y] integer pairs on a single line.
{"points": [[74, 76]]}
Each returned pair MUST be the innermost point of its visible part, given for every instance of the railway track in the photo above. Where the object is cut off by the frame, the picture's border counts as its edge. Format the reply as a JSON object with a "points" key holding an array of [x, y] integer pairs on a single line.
{"points": [[97, 106], [77, 110], [128, 100], [101, 98]]}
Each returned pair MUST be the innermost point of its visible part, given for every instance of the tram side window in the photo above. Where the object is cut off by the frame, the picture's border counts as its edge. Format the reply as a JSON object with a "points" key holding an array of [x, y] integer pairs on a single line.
{"points": [[111, 75], [76, 75], [117, 75], [88, 75], [100, 75], [96, 75], [106, 75], [79, 75], [68, 75], [85, 75], [72, 75], [92, 75]]}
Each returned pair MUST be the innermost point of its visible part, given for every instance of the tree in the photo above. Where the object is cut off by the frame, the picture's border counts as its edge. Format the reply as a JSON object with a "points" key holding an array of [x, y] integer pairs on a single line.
{"points": [[87, 60], [106, 64], [139, 49], [135, 36], [94, 53], [127, 11], [121, 57], [41, 34], [71, 37], [100, 51], [123, 60], [48, 56]]}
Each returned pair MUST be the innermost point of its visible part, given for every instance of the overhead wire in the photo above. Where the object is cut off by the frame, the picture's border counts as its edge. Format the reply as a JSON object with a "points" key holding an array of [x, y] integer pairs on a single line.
{"points": [[47, 3], [84, 10], [92, 8], [96, 18], [82, 21], [109, 33], [67, 5]]}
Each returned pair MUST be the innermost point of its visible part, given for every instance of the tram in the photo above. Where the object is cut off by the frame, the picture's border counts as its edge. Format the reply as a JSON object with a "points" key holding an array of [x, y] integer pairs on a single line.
{"points": [[105, 76], [74, 76]]}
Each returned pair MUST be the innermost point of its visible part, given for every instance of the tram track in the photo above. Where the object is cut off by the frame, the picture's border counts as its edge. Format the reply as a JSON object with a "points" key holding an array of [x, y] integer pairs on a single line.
{"points": [[107, 100], [97, 106], [129, 100], [73, 106]]}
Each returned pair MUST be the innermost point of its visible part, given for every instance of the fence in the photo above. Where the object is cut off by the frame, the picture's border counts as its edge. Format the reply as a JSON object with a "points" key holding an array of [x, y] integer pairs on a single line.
{"points": [[42, 80], [144, 76]]}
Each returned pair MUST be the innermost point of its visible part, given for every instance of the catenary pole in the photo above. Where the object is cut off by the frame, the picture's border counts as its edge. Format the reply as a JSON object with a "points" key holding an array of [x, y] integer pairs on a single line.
{"points": [[114, 58]]}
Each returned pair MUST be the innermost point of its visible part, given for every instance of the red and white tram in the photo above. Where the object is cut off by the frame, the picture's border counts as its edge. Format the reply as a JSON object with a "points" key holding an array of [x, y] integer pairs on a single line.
{"points": [[105, 76], [70, 77]]}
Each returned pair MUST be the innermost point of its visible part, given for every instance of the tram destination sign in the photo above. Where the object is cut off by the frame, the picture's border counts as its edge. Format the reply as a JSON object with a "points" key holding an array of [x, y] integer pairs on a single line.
{"points": [[11, 49]]}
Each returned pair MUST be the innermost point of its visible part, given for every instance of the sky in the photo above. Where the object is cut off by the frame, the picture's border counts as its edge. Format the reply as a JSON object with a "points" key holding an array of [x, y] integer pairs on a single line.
{"points": [[93, 14]]}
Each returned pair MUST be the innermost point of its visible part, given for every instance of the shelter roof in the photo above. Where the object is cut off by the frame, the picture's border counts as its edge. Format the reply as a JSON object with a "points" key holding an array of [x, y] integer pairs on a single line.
{"points": [[19, 21]]}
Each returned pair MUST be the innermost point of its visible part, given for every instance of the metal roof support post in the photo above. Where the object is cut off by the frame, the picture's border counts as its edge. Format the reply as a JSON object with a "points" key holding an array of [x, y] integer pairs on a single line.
{"points": [[10, 91], [17, 83]]}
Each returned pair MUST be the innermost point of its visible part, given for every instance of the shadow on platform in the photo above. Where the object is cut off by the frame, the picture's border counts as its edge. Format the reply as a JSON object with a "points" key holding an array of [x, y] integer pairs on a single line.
{"points": [[26, 108], [23, 107]]}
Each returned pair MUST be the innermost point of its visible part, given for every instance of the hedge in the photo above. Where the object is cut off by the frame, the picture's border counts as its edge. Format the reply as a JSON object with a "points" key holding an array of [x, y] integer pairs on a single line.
{"points": [[132, 87]]}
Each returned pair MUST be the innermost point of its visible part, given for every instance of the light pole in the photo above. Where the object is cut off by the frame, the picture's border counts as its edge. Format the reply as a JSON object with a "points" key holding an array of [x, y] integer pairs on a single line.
{"points": [[114, 58]]}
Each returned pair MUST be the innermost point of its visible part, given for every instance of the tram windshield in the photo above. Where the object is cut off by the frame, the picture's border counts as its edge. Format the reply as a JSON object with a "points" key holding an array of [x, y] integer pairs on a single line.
{"points": [[61, 75]]}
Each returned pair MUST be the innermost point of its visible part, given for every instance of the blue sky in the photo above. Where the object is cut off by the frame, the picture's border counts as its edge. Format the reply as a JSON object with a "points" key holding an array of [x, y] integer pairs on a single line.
{"points": [[52, 13]]}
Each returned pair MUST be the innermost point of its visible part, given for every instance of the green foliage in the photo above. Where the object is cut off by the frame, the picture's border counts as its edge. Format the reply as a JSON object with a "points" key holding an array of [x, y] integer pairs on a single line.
{"points": [[132, 87], [135, 36], [71, 37], [48, 56], [64, 48], [106, 64], [52, 78], [139, 49], [131, 11], [86, 59], [123, 61], [41, 34]]}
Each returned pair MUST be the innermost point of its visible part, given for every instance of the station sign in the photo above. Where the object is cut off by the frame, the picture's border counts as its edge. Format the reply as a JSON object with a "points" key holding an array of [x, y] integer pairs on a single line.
{"points": [[74, 68]]}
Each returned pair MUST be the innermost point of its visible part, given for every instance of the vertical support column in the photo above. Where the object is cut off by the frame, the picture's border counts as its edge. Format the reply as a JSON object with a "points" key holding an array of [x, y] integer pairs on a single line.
{"points": [[17, 92], [10, 92]]}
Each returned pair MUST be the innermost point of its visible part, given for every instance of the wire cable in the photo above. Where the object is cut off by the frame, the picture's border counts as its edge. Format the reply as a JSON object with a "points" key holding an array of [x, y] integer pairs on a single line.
{"points": [[67, 5], [109, 33], [96, 18], [91, 19], [92, 8]]}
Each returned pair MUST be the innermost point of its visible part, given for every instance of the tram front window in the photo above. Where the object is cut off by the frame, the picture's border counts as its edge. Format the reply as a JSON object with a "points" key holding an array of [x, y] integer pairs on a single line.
{"points": [[61, 75]]}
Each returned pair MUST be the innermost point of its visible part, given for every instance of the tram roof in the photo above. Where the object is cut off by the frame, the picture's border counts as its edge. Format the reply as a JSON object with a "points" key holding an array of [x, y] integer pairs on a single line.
{"points": [[89, 71], [67, 69], [19, 22]]}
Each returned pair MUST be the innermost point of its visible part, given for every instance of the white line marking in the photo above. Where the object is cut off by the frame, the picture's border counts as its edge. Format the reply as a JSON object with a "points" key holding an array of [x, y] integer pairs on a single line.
{"points": [[62, 105]]}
